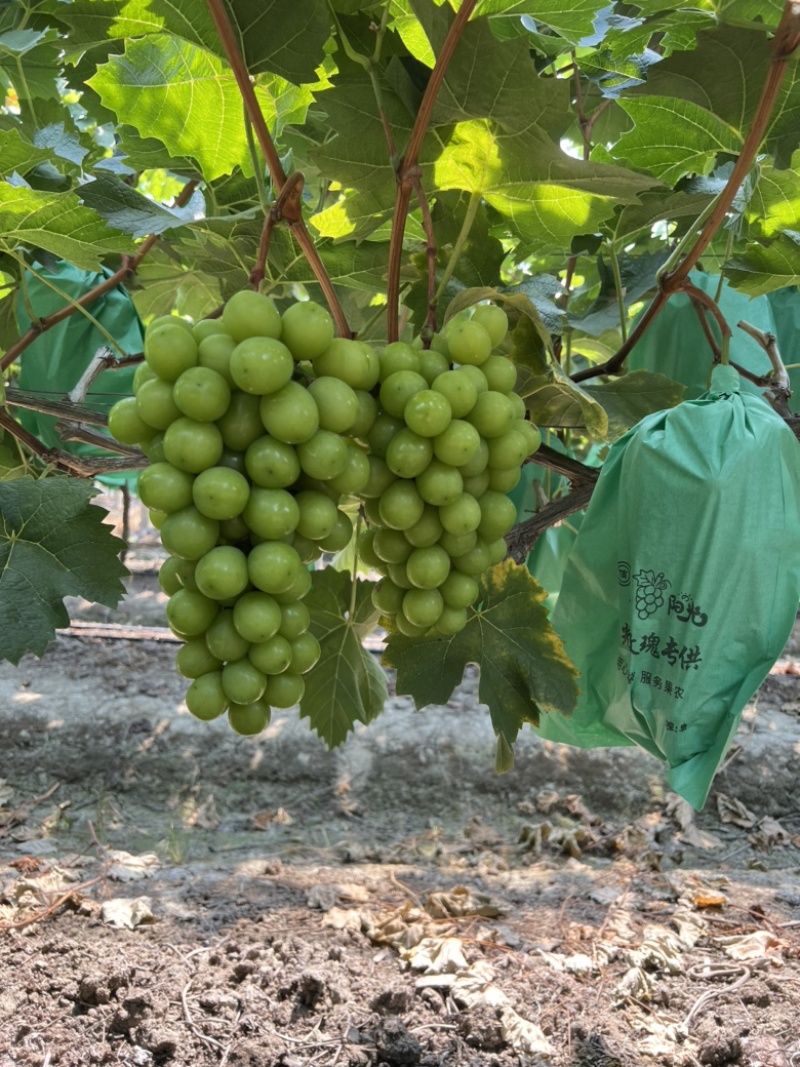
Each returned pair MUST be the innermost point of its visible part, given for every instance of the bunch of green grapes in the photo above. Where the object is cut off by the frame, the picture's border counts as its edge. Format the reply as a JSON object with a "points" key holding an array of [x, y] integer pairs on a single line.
{"points": [[249, 423], [445, 449]]}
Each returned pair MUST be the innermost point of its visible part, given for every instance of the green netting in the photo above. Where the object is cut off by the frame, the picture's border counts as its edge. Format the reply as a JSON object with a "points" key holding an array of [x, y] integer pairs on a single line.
{"points": [[682, 586], [55, 361]]}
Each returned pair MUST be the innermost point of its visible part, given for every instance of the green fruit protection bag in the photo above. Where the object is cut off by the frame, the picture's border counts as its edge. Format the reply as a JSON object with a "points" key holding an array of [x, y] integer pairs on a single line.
{"points": [[56, 360], [682, 587]]}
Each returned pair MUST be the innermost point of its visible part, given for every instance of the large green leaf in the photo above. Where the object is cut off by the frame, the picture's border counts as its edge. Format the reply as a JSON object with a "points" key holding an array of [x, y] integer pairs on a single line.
{"points": [[545, 196], [628, 399], [53, 544], [347, 685], [285, 37], [557, 402], [17, 154], [58, 223], [762, 269], [638, 278], [774, 205], [188, 99], [524, 669], [129, 211]]}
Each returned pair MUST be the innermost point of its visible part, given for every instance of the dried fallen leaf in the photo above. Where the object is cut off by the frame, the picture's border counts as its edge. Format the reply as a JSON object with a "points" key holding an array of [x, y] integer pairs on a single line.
{"points": [[733, 811], [754, 946], [126, 914], [262, 820], [128, 868]]}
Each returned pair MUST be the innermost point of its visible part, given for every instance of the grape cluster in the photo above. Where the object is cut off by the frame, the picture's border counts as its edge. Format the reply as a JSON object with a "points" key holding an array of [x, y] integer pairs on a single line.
{"points": [[248, 464], [445, 449]]}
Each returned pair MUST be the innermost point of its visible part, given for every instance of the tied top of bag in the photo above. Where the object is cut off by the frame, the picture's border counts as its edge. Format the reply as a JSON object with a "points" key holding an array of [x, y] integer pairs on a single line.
{"points": [[683, 584]]}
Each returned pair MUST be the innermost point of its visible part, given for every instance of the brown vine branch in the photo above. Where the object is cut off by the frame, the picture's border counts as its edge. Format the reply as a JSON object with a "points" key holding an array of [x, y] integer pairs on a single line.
{"points": [[524, 536], [786, 40], [716, 351], [430, 251], [78, 431], [410, 161], [62, 409], [287, 208], [301, 235], [82, 466], [129, 267]]}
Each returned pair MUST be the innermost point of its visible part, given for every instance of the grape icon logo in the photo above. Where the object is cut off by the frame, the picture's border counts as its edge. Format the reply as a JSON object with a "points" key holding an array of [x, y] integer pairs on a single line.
{"points": [[649, 592]]}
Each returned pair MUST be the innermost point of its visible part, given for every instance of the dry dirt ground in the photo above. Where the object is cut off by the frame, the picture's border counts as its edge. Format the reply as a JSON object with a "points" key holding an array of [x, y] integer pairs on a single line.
{"points": [[171, 894]]}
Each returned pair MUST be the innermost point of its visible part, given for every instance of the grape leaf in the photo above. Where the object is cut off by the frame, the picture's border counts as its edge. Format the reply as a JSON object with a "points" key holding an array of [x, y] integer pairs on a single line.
{"points": [[775, 202], [762, 269], [129, 211], [53, 543], [638, 276], [189, 100], [17, 155], [628, 399], [524, 669], [347, 685], [557, 402], [58, 223]]}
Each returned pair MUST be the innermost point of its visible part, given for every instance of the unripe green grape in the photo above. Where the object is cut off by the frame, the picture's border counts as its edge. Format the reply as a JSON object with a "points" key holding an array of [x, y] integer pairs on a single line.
{"points": [[427, 531], [356, 474], [154, 449], [295, 620], [500, 374], [492, 415], [222, 573], [163, 487], [427, 568], [274, 566], [407, 628], [337, 403], [300, 587], [323, 455], [384, 428], [192, 446], [457, 544], [474, 562], [367, 413], [220, 493], [458, 389], [249, 314], [459, 590], [478, 484], [452, 621], [290, 414], [188, 534], [379, 480], [422, 607], [126, 425], [309, 551], [398, 356], [497, 551], [517, 405], [372, 374], [194, 660], [478, 463], [156, 404], [387, 597], [501, 481], [261, 366], [340, 536], [317, 515], [428, 413], [205, 697], [372, 512], [494, 320], [346, 360], [204, 328], [240, 424], [476, 376], [157, 518], [272, 464], [143, 373], [191, 613], [440, 484], [307, 329], [250, 719], [169, 579], [398, 389], [214, 353], [508, 451], [286, 690], [170, 320], [401, 505], [530, 432], [468, 342], [306, 652], [391, 546], [399, 575], [257, 617], [170, 350], [457, 444], [408, 454], [366, 552], [462, 516], [498, 515], [242, 682], [223, 639], [432, 364]]}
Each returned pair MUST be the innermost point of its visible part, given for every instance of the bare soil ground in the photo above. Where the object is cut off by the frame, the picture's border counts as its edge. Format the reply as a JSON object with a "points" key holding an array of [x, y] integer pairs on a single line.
{"points": [[171, 894]]}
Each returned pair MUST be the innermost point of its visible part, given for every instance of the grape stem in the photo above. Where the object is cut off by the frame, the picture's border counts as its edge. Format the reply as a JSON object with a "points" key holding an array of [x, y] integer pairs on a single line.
{"points": [[304, 239], [673, 279], [129, 267], [287, 208], [410, 161], [79, 466]]}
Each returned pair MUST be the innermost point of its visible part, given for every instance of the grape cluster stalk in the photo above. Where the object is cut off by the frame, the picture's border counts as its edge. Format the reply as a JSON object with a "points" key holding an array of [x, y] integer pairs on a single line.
{"points": [[265, 434]]}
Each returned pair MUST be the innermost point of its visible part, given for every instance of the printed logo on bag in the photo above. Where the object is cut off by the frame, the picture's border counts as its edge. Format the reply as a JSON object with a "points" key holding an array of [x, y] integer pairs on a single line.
{"points": [[650, 588]]}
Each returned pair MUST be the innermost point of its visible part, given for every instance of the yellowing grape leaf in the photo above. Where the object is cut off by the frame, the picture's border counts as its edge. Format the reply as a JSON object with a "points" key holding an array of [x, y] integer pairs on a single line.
{"points": [[524, 668], [53, 543], [347, 685]]}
